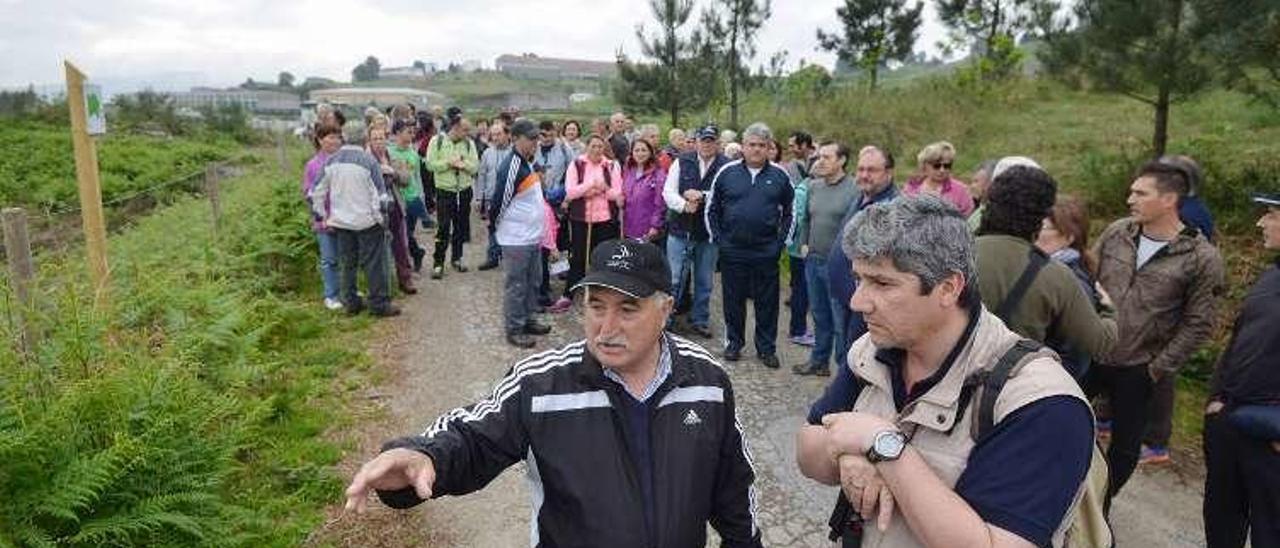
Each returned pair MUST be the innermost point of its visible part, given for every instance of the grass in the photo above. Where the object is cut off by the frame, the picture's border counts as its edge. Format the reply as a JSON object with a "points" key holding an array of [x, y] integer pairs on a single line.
{"points": [[190, 413]]}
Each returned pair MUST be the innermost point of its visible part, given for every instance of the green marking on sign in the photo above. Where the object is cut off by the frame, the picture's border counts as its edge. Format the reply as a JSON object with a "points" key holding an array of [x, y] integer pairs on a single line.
{"points": [[95, 104]]}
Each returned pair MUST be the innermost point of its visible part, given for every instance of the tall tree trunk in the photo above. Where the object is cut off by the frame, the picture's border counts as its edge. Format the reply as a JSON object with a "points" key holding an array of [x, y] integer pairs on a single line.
{"points": [[1161, 137], [875, 75], [733, 82]]}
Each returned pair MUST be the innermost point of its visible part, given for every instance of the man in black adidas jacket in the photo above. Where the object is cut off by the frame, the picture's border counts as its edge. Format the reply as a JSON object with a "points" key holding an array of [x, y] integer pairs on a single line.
{"points": [[630, 436]]}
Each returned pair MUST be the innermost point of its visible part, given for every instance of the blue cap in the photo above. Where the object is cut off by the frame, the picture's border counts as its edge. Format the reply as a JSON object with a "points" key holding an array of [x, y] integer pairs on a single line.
{"points": [[709, 131]]}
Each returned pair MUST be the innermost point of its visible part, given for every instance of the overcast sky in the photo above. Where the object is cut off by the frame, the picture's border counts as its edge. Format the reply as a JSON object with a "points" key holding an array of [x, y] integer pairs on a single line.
{"points": [[168, 43]]}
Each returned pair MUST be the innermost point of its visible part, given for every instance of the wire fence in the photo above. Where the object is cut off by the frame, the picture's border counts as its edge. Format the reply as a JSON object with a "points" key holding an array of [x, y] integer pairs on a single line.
{"points": [[57, 228]]}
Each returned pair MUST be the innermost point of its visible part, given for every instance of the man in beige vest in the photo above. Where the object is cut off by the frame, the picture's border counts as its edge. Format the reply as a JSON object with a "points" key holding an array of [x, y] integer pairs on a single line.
{"points": [[902, 449]]}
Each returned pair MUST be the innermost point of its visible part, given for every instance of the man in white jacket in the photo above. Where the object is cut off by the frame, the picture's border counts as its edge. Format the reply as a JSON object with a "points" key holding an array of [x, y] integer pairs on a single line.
{"points": [[351, 198]]}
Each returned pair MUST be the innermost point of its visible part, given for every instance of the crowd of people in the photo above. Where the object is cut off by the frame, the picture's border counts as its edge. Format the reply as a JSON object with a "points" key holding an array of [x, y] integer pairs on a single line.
{"points": [[973, 327]]}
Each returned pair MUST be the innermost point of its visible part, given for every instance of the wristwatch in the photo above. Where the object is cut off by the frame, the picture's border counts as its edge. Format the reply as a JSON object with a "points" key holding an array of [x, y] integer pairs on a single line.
{"points": [[887, 445]]}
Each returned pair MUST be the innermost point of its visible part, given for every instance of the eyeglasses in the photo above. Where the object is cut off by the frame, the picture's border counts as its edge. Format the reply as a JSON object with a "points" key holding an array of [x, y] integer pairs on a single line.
{"points": [[942, 165]]}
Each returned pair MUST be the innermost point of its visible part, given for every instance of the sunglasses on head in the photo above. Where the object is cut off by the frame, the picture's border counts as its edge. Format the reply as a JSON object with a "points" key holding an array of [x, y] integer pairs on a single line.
{"points": [[942, 165]]}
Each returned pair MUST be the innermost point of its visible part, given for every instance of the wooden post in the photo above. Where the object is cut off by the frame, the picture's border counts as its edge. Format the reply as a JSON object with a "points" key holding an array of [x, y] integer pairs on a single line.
{"points": [[17, 249], [211, 189], [86, 153], [280, 153]]}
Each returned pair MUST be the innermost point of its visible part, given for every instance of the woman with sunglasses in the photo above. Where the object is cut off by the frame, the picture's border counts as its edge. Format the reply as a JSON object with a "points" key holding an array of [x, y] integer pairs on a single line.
{"points": [[936, 162]]}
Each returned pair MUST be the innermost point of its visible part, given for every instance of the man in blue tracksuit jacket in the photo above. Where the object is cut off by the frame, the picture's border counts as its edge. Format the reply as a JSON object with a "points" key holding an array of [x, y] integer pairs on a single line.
{"points": [[749, 219]]}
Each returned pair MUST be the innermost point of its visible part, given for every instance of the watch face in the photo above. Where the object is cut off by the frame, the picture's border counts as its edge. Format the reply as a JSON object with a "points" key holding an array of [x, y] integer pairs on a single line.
{"points": [[889, 444]]}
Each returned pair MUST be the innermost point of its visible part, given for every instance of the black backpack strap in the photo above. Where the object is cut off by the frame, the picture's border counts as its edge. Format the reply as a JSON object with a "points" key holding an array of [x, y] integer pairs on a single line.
{"points": [[1036, 260], [993, 382]]}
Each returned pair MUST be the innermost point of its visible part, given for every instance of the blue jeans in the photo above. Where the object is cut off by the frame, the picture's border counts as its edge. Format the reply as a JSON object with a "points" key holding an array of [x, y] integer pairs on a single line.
{"points": [[328, 263], [494, 253], [415, 212], [825, 330], [682, 253]]}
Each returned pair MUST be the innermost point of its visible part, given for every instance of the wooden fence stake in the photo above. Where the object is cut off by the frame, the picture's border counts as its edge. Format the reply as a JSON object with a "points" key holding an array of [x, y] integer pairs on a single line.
{"points": [[86, 153], [211, 189], [17, 249], [280, 153]]}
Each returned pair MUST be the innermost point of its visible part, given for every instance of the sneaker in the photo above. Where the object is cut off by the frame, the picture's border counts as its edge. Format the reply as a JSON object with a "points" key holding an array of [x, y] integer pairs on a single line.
{"points": [[437, 272], [388, 312], [1154, 455], [702, 331], [333, 304], [732, 354], [806, 339], [770, 361], [353, 309], [520, 340], [488, 265], [535, 328], [562, 305], [457, 265], [408, 289]]}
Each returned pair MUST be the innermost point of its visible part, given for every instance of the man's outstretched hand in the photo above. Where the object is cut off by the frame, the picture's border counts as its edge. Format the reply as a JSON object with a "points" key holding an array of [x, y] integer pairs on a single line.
{"points": [[392, 470]]}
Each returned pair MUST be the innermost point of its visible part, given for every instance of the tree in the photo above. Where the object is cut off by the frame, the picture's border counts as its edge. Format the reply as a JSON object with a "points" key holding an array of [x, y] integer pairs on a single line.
{"points": [[990, 28], [1142, 49], [875, 32], [366, 71], [731, 26], [1244, 35], [676, 76], [285, 80]]}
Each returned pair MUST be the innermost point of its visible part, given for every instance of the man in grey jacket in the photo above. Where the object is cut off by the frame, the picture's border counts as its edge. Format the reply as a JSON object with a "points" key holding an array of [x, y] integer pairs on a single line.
{"points": [[351, 199], [486, 180]]}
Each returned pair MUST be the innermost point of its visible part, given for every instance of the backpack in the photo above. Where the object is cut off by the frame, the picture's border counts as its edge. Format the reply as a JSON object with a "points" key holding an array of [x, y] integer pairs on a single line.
{"points": [[1089, 527]]}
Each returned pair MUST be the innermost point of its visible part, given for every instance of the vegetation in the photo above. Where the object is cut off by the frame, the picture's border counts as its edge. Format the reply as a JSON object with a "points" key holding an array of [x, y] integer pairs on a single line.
{"points": [[190, 413], [679, 74], [730, 27], [37, 169], [873, 34]]}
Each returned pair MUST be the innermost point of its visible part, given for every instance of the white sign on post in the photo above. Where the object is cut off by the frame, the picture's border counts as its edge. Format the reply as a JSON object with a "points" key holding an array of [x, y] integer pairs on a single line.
{"points": [[95, 113]]}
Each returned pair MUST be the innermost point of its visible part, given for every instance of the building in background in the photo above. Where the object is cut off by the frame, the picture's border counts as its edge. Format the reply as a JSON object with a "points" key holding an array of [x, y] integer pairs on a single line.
{"points": [[378, 97], [257, 101], [550, 68]]}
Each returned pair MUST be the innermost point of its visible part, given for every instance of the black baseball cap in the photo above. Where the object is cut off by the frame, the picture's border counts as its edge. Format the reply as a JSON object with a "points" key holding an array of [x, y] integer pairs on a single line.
{"points": [[636, 269], [1269, 199], [709, 131]]}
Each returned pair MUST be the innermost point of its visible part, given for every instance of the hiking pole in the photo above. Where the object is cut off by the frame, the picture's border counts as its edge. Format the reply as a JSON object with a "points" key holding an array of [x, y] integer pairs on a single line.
{"points": [[586, 256]]}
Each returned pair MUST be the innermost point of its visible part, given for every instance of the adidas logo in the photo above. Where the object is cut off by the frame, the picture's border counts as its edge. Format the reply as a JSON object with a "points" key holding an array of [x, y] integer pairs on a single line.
{"points": [[691, 418]]}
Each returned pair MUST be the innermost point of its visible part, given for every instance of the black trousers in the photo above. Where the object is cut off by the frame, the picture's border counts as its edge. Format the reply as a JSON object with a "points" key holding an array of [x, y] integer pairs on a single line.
{"points": [[756, 280], [1129, 390], [1241, 487], [453, 223], [579, 255], [1160, 427], [364, 249]]}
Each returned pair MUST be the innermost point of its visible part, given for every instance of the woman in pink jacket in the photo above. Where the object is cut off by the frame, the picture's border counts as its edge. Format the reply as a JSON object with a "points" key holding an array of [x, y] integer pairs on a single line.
{"points": [[936, 163], [593, 196]]}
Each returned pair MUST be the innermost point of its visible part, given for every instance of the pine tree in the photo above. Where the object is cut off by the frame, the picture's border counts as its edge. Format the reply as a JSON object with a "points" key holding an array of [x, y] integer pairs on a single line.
{"points": [[1244, 35], [674, 78], [874, 32], [1142, 49], [990, 28], [731, 27]]}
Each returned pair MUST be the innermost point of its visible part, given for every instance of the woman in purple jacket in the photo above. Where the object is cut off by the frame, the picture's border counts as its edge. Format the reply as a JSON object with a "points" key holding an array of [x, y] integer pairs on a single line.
{"points": [[642, 181], [328, 140]]}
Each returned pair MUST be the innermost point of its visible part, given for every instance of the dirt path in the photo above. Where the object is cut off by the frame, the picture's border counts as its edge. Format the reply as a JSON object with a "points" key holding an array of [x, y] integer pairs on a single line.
{"points": [[447, 350]]}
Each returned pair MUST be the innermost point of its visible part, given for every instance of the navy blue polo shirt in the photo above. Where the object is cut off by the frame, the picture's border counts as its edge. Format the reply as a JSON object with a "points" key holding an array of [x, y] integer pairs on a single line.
{"points": [[1022, 476]]}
